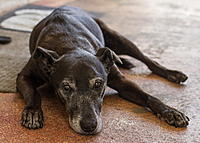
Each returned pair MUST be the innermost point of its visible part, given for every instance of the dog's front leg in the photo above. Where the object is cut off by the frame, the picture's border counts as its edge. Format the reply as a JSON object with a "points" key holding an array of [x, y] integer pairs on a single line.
{"points": [[130, 91], [32, 115]]}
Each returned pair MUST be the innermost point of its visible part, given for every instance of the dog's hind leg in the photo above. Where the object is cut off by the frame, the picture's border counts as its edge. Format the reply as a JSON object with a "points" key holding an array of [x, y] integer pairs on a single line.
{"points": [[122, 46], [32, 115], [131, 92]]}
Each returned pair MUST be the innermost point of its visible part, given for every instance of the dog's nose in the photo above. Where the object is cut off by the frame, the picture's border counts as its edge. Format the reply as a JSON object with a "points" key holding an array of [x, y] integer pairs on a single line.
{"points": [[88, 125]]}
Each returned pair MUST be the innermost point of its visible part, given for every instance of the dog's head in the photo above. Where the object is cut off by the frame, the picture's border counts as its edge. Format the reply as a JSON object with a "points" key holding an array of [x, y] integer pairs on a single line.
{"points": [[79, 79]]}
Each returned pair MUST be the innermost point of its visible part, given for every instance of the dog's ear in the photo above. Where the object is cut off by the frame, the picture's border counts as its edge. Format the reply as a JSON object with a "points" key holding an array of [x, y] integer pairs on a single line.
{"points": [[107, 57], [45, 60]]}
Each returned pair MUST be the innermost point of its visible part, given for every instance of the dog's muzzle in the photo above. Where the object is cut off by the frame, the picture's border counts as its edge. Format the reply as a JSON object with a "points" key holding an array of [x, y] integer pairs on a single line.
{"points": [[87, 126]]}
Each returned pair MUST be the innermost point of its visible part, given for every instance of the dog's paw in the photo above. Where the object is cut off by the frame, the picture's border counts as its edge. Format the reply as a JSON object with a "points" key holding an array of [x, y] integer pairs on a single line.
{"points": [[174, 117], [32, 119], [176, 76]]}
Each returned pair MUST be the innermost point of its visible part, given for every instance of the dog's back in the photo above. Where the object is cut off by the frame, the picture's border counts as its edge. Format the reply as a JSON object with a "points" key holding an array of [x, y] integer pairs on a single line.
{"points": [[67, 28]]}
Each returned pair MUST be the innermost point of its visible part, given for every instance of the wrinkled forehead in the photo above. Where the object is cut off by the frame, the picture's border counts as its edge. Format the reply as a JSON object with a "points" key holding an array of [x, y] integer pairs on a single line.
{"points": [[88, 69], [81, 69]]}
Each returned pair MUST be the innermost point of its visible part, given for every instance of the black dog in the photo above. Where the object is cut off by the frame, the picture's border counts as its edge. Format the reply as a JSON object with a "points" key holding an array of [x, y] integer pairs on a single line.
{"points": [[75, 54]]}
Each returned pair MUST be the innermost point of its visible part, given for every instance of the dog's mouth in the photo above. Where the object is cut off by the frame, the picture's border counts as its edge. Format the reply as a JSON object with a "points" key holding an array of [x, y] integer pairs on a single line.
{"points": [[86, 128]]}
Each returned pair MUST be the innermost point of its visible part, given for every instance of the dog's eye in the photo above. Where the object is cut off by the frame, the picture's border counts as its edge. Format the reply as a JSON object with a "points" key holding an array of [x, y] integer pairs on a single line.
{"points": [[97, 84]]}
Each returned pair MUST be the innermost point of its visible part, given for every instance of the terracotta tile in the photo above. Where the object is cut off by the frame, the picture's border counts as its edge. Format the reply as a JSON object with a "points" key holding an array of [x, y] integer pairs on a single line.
{"points": [[123, 122]]}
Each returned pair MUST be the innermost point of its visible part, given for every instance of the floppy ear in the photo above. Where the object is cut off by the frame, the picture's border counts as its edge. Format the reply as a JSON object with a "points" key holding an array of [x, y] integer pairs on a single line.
{"points": [[45, 60], [107, 57]]}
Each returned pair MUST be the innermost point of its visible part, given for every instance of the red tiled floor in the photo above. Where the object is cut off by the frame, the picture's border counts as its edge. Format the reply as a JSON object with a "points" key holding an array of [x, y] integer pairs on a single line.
{"points": [[123, 122]]}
